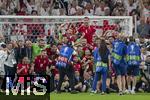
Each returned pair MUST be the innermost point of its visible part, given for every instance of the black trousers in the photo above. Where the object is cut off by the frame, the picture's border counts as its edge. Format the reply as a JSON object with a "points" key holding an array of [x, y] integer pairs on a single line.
{"points": [[51, 83], [69, 71], [10, 71]]}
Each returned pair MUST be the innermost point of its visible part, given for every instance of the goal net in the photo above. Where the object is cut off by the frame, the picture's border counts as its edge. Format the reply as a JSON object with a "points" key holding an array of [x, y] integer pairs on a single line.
{"points": [[32, 27]]}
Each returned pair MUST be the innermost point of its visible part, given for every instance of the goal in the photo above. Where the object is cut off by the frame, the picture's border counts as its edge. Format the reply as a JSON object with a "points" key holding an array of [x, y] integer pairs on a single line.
{"points": [[26, 27]]}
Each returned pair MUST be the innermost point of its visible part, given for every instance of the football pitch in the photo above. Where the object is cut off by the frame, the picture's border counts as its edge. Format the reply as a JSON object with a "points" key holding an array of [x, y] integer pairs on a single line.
{"points": [[88, 96]]}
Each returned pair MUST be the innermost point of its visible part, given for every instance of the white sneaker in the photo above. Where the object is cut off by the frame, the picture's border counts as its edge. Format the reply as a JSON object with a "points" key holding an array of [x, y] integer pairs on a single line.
{"points": [[126, 91], [94, 92], [120, 93], [132, 92], [1, 91]]}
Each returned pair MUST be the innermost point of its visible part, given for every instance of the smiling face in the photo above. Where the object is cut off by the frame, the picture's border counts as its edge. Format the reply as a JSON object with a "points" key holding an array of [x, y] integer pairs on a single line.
{"points": [[28, 43], [75, 59], [25, 60], [41, 43], [44, 54], [87, 52], [21, 43], [84, 42]]}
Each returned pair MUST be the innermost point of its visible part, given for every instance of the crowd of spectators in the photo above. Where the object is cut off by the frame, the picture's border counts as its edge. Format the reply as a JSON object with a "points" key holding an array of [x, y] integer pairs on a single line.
{"points": [[136, 8]]}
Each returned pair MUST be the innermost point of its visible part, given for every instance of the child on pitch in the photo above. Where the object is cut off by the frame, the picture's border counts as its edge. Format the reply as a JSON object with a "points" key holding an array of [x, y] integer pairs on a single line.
{"points": [[22, 72]]}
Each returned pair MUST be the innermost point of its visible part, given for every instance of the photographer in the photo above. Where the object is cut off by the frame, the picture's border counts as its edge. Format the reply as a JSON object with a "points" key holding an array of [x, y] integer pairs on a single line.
{"points": [[3, 57]]}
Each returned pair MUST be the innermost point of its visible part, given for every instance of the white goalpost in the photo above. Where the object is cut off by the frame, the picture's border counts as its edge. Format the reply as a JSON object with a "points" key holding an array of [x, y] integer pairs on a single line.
{"points": [[13, 26]]}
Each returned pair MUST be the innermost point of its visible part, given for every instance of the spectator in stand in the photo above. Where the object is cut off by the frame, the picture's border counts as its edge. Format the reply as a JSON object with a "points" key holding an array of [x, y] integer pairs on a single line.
{"points": [[1, 40], [74, 8], [34, 12], [44, 8], [31, 6], [85, 7], [101, 9], [130, 5], [119, 9], [88, 10], [143, 29], [145, 8], [9, 7], [79, 12], [22, 11], [56, 9]]}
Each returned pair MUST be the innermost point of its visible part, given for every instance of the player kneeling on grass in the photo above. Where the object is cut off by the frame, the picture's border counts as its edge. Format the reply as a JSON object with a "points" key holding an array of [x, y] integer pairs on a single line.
{"points": [[101, 57], [133, 61]]}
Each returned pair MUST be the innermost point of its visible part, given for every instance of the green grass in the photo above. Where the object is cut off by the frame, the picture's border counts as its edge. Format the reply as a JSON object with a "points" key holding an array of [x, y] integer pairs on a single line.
{"points": [[88, 96]]}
